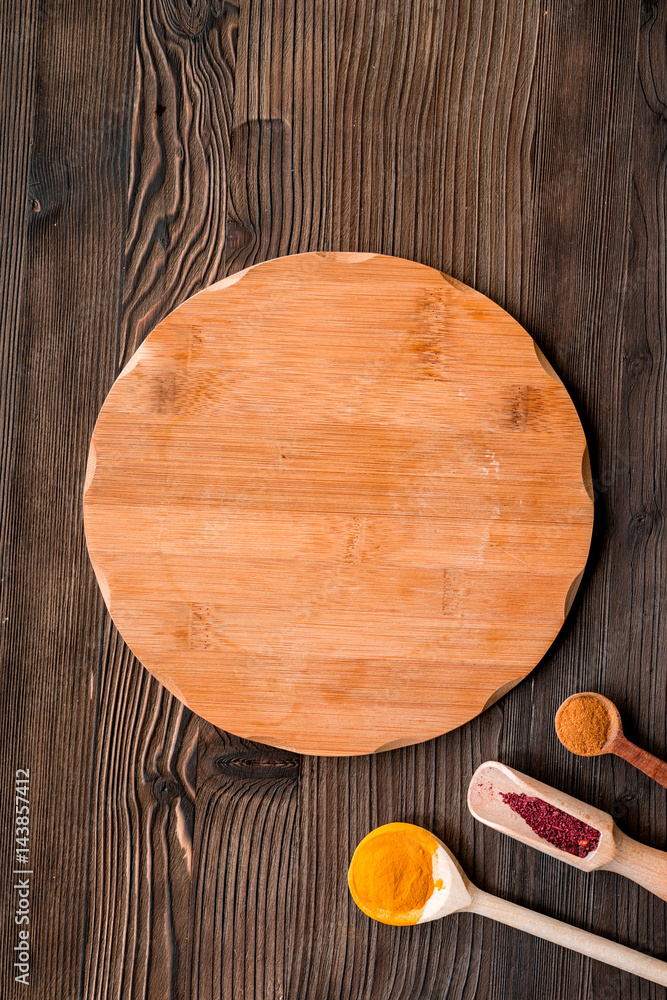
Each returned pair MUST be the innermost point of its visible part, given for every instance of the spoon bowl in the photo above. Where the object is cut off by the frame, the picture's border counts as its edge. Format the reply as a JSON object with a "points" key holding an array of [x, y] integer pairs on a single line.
{"points": [[449, 893], [615, 724]]}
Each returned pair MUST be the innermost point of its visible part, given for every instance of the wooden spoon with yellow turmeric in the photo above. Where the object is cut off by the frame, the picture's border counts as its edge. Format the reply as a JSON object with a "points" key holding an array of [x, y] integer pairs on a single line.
{"points": [[589, 724], [402, 874]]}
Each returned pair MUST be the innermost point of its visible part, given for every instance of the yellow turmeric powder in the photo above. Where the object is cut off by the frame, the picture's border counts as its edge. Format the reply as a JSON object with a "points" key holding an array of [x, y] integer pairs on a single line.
{"points": [[391, 874]]}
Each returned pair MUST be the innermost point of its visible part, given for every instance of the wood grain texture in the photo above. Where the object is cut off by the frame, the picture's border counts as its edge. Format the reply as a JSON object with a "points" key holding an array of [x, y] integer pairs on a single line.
{"points": [[17, 71], [335, 502], [519, 147], [181, 131]]}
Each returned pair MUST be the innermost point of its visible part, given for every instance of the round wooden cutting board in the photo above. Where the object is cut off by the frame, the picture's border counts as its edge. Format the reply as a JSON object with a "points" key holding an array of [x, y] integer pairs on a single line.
{"points": [[338, 503]]}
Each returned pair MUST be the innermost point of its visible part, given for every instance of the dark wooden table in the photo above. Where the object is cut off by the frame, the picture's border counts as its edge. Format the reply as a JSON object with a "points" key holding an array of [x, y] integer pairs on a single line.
{"points": [[149, 147]]}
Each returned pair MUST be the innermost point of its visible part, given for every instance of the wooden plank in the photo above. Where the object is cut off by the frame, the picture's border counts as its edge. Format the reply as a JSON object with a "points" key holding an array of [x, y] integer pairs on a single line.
{"points": [[18, 24], [143, 860], [244, 849], [587, 163], [181, 123], [68, 117], [280, 178], [18, 30]]}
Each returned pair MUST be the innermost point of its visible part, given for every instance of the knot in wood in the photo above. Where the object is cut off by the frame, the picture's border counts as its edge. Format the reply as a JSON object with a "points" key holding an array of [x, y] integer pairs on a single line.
{"points": [[164, 789], [645, 520], [192, 17], [251, 764]]}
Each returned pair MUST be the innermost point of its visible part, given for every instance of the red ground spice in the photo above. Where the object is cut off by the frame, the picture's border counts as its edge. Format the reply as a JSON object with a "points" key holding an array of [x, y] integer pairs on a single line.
{"points": [[553, 825]]}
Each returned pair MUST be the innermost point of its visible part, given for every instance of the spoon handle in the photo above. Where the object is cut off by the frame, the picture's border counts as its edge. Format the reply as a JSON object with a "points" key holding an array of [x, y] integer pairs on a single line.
{"points": [[643, 864], [641, 759], [568, 936]]}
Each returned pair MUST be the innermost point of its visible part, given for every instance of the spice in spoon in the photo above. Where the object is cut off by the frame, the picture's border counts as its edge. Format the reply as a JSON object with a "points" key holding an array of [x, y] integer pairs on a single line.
{"points": [[557, 827], [583, 725], [391, 876]]}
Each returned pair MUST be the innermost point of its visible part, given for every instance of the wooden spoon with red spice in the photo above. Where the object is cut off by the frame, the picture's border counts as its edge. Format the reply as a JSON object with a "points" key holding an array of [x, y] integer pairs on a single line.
{"points": [[451, 892], [589, 724], [562, 826]]}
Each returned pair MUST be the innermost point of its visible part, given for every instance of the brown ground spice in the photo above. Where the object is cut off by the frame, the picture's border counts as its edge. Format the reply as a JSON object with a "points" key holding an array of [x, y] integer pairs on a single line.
{"points": [[583, 725]]}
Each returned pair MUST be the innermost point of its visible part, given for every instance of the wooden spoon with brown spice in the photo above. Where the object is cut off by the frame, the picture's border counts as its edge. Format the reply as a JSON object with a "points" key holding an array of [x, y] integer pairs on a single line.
{"points": [[589, 724]]}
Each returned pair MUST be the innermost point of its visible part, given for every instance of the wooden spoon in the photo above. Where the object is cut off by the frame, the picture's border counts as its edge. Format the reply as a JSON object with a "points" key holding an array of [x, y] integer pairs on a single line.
{"points": [[615, 851], [617, 742], [458, 894]]}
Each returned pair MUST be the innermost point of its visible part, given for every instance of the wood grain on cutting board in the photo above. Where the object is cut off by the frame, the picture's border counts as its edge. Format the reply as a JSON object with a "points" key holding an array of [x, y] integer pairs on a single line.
{"points": [[336, 502]]}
